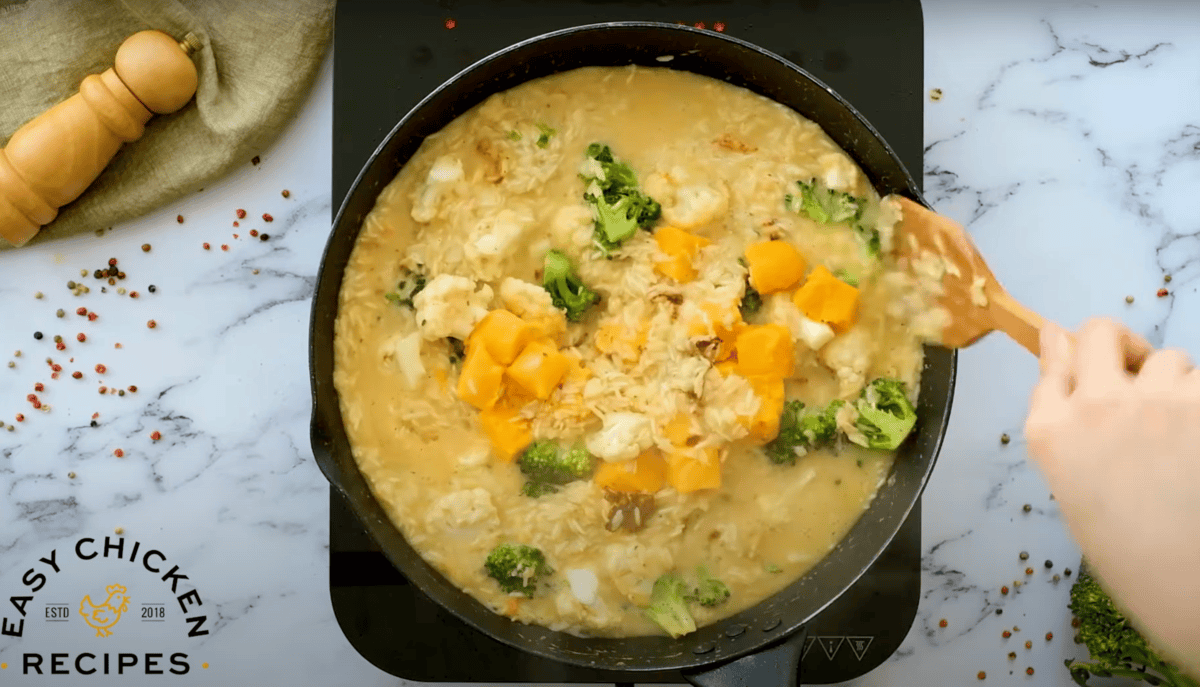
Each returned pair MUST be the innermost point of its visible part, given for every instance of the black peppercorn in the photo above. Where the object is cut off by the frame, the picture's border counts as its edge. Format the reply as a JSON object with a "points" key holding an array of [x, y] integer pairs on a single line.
{"points": [[1049, 564], [1067, 572], [263, 237], [999, 611], [37, 335], [71, 285], [95, 424], [98, 274], [152, 288], [1024, 555], [1027, 508]]}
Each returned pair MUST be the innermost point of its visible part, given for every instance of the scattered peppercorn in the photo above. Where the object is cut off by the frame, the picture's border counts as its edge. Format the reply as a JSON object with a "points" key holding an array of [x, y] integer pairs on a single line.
{"points": [[117, 345], [1067, 572], [1024, 555], [179, 218], [132, 389], [1004, 439], [39, 387], [1057, 579], [1006, 634], [1029, 644], [71, 285], [60, 346], [152, 324], [120, 392], [81, 311], [111, 282], [999, 611], [1017, 584], [224, 246], [101, 369], [155, 435], [263, 237], [39, 295], [152, 288], [119, 453], [235, 236], [20, 417], [206, 246], [1074, 622], [92, 317], [60, 313], [57, 338], [254, 160], [133, 294], [112, 262], [121, 291], [71, 475], [1027, 508], [241, 214], [268, 218], [77, 374], [1049, 564], [98, 274], [81, 337], [981, 675], [38, 335], [121, 530], [943, 623], [1049, 636], [1167, 278], [103, 390], [1028, 571], [1129, 299], [236, 223], [1029, 670], [56, 367], [1162, 293], [1012, 655], [254, 232], [1004, 590], [120, 275], [31, 398], [95, 424]]}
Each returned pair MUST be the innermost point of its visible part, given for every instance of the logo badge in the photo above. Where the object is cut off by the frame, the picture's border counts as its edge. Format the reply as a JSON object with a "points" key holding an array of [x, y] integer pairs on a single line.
{"points": [[102, 617]]}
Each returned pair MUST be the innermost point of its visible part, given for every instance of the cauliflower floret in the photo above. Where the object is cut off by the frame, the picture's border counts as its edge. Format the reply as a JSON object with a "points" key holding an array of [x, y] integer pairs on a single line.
{"points": [[624, 436], [533, 304], [450, 306], [696, 205], [849, 356], [446, 171], [584, 585], [840, 173], [572, 225], [461, 510], [781, 310], [494, 239], [405, 352]]}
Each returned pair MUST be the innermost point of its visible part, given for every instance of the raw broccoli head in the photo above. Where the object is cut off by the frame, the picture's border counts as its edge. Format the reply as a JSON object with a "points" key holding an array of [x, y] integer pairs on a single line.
{"points": [[615, 223], [1116, 648], [824, 205], [620, 207], [798, 429], [611, 176], [885, 415], [668, 605], [709, 591], [408, 286], [517, 567], [567, 290], [537, 489], [548, 463]]}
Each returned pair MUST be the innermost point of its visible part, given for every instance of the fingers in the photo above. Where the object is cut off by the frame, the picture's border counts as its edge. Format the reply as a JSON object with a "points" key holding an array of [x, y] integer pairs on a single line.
{"points": [[1050, 395], [1165, 367], [1107, 352]]}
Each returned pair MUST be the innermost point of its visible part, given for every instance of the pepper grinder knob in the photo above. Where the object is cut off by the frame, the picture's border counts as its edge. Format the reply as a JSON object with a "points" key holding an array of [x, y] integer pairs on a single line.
{"points": [[53, 158]]}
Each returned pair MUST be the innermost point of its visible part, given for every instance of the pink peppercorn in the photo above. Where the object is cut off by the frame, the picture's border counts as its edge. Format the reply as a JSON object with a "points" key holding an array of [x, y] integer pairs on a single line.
{"points": [[268, 218]]}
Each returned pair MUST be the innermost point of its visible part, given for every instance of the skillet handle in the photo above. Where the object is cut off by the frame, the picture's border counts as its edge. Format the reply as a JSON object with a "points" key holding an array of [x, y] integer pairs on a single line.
{"points": [[778, 665]]}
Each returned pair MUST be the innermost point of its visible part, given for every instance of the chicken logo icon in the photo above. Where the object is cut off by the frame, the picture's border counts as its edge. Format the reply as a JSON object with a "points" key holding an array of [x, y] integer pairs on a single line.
{"points": [[104, 616]]}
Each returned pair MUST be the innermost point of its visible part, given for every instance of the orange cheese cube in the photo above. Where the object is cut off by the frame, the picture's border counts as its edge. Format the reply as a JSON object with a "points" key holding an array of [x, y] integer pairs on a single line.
{"points": [[687, 473], [765, 350], [647, 473], [764, 425], [681, 247], [678, 429], [503, 334], [726, 367], [825, 298], [539, 368], [774, 266], [509, 433], [481, 381], [723, 322]]}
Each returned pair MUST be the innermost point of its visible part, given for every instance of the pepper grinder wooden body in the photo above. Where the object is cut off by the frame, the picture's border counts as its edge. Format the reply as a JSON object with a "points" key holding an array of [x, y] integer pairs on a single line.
{"points": [[53, 158]]}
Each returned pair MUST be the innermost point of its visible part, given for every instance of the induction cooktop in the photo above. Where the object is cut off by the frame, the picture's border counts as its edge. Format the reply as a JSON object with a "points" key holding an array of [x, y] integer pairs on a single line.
{"points": [[389, 55]]}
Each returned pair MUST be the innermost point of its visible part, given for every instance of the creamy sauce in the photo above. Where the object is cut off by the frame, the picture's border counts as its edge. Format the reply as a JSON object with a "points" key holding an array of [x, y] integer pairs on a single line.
{"points": [[720, 159]]}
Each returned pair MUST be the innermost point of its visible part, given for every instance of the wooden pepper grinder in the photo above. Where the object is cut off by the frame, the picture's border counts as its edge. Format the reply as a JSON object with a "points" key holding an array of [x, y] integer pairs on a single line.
{"points": [[53, 158]]}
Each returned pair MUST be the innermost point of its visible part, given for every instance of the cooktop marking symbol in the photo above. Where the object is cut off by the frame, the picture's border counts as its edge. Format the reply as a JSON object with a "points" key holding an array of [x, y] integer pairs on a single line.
{"points": [[808, 644], [831, 645], [859, 645]]}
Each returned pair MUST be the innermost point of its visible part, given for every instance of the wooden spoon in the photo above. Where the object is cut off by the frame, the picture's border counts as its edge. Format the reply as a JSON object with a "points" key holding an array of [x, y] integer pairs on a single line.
{"points": [[976, 301]]}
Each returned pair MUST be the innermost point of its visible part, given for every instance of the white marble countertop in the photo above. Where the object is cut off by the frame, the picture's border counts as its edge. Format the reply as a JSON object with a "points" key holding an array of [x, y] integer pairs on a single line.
{"points": [[1066, 139]]}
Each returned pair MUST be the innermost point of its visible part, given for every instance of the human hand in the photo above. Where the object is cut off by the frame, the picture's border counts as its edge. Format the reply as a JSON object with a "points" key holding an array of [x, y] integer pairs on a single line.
{"points": [[1115, 426]]}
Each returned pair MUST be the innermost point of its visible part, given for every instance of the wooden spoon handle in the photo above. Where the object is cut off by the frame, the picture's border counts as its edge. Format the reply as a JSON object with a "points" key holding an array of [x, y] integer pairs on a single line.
{"points": [[1022, 324]]}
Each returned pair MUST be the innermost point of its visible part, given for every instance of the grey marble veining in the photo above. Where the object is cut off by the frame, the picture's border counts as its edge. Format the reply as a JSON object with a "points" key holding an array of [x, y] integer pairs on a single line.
{"points": [[1066, 138]]}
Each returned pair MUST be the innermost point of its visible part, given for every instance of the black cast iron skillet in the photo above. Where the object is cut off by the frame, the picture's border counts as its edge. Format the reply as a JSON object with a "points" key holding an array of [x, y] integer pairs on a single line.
{"points": [[767, 637]]}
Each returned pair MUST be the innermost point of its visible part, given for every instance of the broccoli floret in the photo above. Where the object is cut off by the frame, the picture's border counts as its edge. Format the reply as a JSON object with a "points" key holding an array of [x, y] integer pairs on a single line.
{"points": [[885, 415], [544, 139], [751, 302], [846, 277], [620, 207], [546, 462], [517, 567], [514, 135], [824, 205], [1116, 648], [408, 286], [710, 591], [800, 432], [668, 606], [567, 290]]}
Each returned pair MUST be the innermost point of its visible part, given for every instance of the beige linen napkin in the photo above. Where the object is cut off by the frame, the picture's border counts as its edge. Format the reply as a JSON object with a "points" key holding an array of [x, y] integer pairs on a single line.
{"points": [[258, 60]]}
